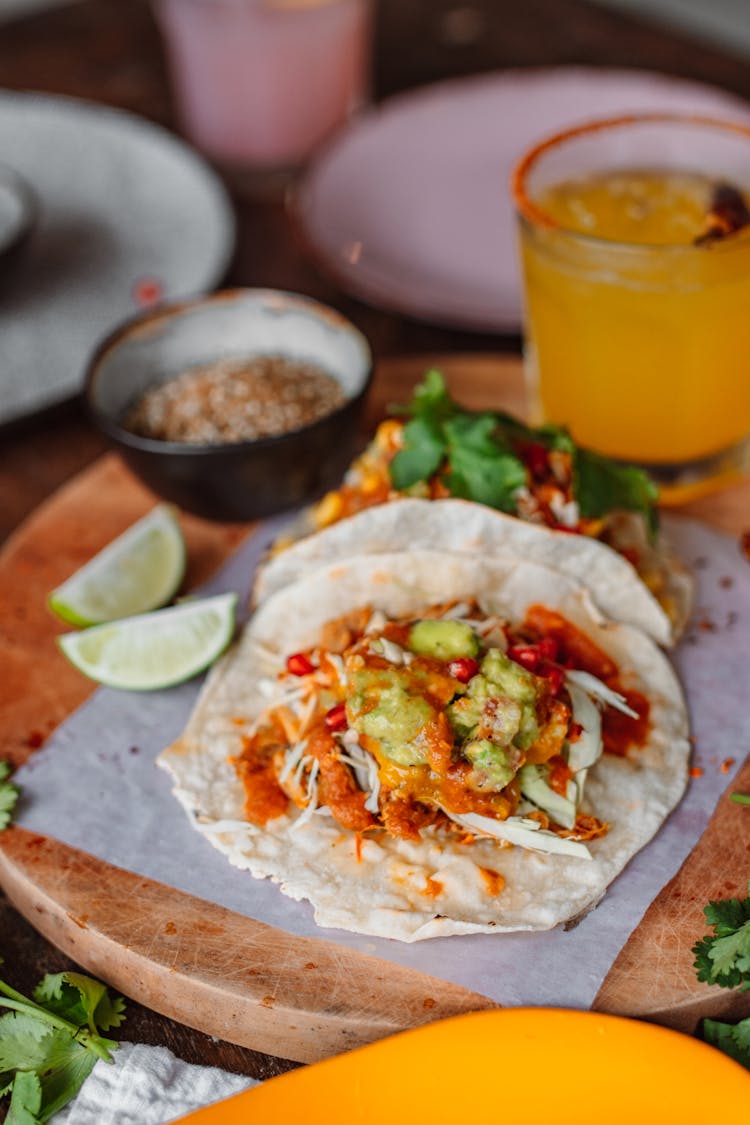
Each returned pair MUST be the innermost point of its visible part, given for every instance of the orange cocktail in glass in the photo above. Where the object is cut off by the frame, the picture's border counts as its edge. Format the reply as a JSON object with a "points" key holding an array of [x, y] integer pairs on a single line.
{"points": [[637, 307]]}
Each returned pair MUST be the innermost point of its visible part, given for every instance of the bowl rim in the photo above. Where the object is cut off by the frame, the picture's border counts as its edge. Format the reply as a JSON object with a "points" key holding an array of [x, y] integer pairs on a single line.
{"points": [[167, 310]]}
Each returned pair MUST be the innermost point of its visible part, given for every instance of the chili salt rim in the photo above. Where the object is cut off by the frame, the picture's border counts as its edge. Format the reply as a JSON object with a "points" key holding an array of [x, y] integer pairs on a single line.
{"points": [[527, 209]]}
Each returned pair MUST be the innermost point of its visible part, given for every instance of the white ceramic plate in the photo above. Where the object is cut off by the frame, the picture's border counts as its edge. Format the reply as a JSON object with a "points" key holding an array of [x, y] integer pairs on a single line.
{"points": [[127, 214], [409, 207]]}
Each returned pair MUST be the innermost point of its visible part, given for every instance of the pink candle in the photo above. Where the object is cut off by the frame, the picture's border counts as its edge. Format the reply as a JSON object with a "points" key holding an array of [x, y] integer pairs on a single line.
{"points": [[262, 82]]}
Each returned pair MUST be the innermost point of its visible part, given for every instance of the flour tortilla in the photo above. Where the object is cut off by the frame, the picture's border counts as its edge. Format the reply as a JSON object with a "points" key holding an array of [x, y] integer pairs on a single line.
{"points": [[388, 890], [463, 527]]}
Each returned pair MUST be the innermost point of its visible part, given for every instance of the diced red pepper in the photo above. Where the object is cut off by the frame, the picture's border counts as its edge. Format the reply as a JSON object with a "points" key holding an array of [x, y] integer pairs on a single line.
{"points": [[299, 664], [554, 676], [537, 460], [336, 719], [528, 656], [463, 668], [549, 648]]}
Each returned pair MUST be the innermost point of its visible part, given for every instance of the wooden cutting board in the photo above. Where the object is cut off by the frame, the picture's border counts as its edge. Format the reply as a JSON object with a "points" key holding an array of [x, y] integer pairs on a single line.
{"points": [[233, 977]]}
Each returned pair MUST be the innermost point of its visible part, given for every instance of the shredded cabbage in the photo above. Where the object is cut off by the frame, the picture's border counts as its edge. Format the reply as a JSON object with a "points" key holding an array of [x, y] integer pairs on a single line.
{"points": [[365, 771], [392, 652], [522, 832], [588, 748], [457, 612], [338, 663], [593, 686], [311, 795], [292, 758]]}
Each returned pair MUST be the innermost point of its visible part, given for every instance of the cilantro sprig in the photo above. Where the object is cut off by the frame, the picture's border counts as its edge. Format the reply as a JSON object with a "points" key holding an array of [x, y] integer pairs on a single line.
{"points": [[49, 1045], [723, 958], [478, 453], [480, 464], [731, 1038], [9, 794]]}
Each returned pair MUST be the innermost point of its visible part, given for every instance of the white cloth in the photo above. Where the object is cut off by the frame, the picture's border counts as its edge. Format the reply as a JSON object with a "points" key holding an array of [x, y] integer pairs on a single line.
{"points": [[147, 1086]]}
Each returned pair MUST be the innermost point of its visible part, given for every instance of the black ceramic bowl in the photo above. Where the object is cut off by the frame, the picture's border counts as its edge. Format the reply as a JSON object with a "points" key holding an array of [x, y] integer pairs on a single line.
{"points": [[249, 479]]}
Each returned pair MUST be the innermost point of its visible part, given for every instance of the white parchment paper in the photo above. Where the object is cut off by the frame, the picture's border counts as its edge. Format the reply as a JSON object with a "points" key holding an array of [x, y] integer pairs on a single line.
{"points": [[95, 786]]}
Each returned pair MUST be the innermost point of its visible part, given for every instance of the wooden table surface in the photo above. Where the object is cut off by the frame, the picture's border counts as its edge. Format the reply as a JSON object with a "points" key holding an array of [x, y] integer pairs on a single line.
{"points": [[110, 51]]}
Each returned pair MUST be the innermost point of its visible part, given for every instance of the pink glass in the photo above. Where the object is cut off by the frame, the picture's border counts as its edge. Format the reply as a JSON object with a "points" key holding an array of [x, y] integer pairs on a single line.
{"points": [[260, 83]]}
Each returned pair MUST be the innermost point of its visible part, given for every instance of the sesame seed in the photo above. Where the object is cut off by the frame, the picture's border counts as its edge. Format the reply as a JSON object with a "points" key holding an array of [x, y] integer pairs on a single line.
{"points": [[234, 400]]}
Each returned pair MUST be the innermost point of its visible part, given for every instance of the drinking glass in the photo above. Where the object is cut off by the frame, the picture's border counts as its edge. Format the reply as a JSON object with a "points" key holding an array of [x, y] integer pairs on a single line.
{"points": [[260, 83], [641, 348]]}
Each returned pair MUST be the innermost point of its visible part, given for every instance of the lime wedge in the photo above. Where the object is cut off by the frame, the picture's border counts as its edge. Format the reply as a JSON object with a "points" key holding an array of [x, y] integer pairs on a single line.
{"points": [[137, 572], [154, 650]]}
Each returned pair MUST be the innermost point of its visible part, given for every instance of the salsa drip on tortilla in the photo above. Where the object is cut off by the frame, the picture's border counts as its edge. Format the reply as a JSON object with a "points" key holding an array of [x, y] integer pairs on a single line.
{"points": [[452, 720]]}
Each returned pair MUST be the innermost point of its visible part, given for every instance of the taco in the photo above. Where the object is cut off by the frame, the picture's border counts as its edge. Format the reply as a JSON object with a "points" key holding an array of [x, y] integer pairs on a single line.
{"points": [[463, 527], [424, 744], [582, 506]]}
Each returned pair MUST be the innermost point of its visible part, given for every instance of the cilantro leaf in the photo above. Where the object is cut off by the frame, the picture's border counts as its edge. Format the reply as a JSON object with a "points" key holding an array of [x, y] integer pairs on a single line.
{"points": [[79, 999], [21, 1044], [110, 1012], [601, 486], [9, 794], [475, 432], [731, 954], [481, 465], [431, 398], [732, 1039], [724, 957], [421, 456], [481, 468], [67, 1066], [26, 1099], [49, 1045]]}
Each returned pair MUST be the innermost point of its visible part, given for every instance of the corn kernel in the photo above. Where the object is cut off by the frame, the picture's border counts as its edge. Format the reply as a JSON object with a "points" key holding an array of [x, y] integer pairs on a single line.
{"points": [[370, 482], [329, 509], [388, 434]]}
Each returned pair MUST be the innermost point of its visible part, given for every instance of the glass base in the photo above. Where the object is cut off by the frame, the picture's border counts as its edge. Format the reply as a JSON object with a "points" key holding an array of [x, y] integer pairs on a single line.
{"points": [[263, 184], [682, 481]]}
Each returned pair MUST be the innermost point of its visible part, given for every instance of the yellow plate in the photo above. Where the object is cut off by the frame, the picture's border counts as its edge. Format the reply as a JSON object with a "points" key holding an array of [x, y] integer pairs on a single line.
{"points": [[519, 1066]]}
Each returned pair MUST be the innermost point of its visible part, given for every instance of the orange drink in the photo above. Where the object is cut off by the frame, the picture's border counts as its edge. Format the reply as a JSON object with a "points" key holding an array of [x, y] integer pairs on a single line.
{"points": [[637, 307]]}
